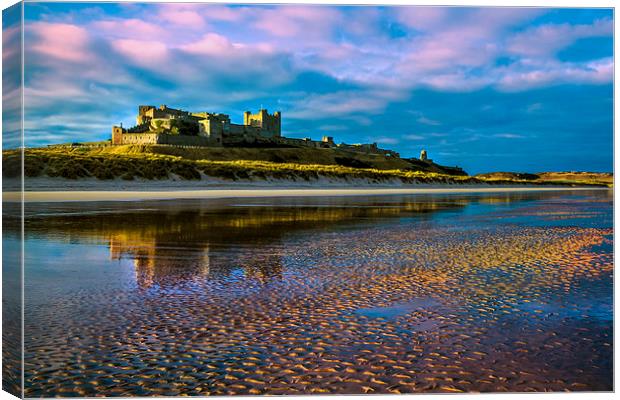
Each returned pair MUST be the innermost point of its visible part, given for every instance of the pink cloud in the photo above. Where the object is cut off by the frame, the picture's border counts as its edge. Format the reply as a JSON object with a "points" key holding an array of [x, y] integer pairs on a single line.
{"points": [[363, 22], [594, 72], [211, 43], [221, 47], [10, 44], [187, 15], [546, 40], [64, 42], [143, 52], [442, 19], [298, 21], [449, 51], [185, 18], [131, 28], [456, 81], [214, 12], [422, 18], [501, 18], [195, 45], [456, 38]]}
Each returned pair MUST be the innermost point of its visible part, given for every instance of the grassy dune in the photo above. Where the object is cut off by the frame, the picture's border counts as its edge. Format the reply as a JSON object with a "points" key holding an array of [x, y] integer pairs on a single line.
{"points": [[296, 155], [275, 155], [578, 177], [574, 178], [163, 162], [106, 163]]}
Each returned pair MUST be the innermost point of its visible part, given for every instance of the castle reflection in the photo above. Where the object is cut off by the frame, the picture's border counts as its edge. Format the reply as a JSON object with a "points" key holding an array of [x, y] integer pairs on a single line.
{"points": [[157, 262]]}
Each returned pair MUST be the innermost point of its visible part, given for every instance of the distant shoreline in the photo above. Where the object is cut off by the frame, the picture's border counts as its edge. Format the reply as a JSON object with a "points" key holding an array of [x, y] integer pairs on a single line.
{"points": [[264, 192]]}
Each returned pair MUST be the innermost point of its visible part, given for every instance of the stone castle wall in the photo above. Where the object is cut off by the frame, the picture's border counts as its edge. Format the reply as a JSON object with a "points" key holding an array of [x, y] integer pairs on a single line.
{"points": [[243, 135], [139, 138], [216, 130], [161, 138], [182, 140]]}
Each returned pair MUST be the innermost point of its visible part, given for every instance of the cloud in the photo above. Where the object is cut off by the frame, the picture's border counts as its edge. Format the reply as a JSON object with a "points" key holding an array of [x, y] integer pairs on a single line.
{"points": [[64, 42], [142, 52], [10, 42], [356, 71], [554, 73], [509, 136], [311, 22], [427, 121], [340, 103], [422, 18], [385, 140], [454, 37], [186, 15], [548, 39], [216, 12], [131, 27], [333, 127], [211, 43], [534, 107], [413, 137], [220, 46]]}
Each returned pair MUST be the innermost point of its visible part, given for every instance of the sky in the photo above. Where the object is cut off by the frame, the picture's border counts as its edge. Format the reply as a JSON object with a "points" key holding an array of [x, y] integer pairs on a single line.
{"points": [[487, 89]]}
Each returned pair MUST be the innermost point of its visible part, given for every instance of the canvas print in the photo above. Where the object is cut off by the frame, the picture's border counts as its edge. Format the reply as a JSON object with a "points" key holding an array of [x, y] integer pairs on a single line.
{"points": [[295, 199]]}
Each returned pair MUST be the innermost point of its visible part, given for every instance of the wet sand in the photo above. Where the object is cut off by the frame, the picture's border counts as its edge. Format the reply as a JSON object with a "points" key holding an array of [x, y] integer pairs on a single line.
{"points": [[470, 293], [102, 195]]}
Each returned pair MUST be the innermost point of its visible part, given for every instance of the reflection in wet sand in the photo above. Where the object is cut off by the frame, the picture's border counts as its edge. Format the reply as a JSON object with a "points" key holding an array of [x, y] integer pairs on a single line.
{"points": [[376, 295], [154, 263]]}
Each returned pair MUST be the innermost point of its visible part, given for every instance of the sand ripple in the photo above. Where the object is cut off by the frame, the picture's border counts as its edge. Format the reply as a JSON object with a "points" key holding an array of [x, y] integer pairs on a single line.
{"points": [[402, 308]]}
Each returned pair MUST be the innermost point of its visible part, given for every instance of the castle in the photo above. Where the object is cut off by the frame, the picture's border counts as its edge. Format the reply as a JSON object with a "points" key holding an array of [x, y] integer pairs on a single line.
{"points": [[165, 125]]}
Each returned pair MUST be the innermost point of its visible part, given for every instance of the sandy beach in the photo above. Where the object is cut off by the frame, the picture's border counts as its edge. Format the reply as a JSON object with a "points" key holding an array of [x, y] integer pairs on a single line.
{"points": [[484, 292], [115, 195]]}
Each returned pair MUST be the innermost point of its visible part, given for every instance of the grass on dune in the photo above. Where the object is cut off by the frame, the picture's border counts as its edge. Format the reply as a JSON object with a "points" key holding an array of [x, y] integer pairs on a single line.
{"points": [[76, 164], [297, 155], [557, 178], [82, 162]]}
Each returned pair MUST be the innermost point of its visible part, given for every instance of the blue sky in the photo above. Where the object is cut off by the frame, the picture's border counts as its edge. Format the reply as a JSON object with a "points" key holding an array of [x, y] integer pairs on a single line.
{"points": [[521, 89]]}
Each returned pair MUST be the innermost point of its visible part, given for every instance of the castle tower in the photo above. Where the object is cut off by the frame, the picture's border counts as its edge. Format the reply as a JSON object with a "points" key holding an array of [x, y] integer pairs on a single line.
{"points": [[423, 155], [142, 114], [270, 125], [277, 123], [117, 134]]}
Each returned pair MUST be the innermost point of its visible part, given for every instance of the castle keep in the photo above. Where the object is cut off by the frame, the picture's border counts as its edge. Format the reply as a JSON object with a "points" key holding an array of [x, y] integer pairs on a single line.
{"points": [[165, 125]]}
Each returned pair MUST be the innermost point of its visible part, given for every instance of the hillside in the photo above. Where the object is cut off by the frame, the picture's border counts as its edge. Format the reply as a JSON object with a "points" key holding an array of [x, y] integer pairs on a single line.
{"points": [[166, 162], [294, 155], [595, 178], [585, 177], [156, 162]]}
